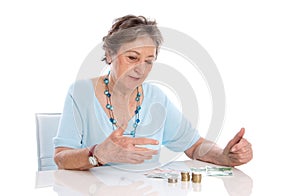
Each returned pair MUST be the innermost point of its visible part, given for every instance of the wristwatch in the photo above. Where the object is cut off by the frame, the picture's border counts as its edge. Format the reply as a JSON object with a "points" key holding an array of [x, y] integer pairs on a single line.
{"points": [[92, 159]]}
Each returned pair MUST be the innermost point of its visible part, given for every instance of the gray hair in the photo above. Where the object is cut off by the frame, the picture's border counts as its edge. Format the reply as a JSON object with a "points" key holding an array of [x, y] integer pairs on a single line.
{"points": [[127, 29]]}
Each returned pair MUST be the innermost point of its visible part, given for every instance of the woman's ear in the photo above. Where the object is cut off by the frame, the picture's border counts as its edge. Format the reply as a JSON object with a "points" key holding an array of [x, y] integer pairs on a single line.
{"points": [[108, 58]]}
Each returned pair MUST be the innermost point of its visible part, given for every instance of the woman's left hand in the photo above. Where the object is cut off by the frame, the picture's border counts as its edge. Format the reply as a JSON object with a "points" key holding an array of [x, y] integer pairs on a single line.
{"points": [[238, 150]]}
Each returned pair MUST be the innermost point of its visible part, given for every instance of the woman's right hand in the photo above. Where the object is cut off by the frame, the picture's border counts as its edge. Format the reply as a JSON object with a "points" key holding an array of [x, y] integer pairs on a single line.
{"points": [[121, 149]]}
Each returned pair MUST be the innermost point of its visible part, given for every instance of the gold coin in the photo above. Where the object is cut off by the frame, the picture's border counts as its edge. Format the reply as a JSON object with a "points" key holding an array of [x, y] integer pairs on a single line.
{"points": [[185, 176], [196, 178], [172, 180]]}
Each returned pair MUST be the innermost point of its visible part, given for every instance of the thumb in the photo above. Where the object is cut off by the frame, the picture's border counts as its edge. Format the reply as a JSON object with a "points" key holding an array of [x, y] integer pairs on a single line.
{"points": [[235, 140]]}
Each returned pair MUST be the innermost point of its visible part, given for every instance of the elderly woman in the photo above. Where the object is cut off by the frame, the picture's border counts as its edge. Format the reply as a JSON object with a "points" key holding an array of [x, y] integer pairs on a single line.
{"points": [[103, 118]]}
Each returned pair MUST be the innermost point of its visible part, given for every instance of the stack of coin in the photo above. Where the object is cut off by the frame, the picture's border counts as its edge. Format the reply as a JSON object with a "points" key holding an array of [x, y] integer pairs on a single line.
{"points": [[172, 180], [185, 176], [196, 177]]}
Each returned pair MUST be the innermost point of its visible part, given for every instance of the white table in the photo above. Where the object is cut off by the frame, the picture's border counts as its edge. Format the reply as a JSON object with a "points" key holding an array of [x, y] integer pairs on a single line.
{"points": [[108, 180]]}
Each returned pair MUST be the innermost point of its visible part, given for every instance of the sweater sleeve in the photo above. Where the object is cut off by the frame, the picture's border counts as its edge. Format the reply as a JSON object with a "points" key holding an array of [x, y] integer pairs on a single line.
{"points": [[179, 135], [70, 127]]}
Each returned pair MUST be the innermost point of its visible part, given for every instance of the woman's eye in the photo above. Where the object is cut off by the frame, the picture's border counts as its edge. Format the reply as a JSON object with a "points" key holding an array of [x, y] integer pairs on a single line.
{"points": [[132, 58]]}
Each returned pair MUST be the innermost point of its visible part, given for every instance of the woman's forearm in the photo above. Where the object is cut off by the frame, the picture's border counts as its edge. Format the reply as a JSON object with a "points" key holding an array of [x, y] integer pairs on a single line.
{"points": [[210, 152], [68, 158]]}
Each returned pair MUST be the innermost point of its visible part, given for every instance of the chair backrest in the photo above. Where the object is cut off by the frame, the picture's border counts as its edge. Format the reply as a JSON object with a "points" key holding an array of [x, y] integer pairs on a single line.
{"points": [[46, 129]]}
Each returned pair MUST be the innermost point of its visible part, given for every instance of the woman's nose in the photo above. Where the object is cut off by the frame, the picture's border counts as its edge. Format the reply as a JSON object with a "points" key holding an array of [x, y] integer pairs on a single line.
{"points": [[140, 68]]}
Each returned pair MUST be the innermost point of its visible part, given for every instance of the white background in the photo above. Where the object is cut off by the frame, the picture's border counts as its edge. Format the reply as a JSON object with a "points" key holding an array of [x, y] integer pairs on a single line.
{"points": [[255, 45]]}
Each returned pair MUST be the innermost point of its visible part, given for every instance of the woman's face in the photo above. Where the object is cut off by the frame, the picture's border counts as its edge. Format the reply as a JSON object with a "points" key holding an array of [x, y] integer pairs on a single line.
{"points": [[133, 62]]}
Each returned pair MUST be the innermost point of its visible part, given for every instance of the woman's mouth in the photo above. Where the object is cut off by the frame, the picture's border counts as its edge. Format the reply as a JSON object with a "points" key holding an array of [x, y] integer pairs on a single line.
{"points": [[134, 78]]}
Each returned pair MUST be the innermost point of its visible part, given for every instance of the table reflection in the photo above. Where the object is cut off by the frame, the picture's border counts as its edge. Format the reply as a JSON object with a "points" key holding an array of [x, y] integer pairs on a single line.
{"points": [[113, 181], [240, 184], [87, 183]]}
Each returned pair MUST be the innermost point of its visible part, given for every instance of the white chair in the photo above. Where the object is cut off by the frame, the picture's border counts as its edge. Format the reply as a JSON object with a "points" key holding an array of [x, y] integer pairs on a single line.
{"points": [[46, 129]]}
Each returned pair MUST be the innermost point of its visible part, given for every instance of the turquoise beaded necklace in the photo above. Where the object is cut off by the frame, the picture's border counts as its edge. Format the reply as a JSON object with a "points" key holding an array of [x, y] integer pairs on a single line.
{"points": [[110, 108]]}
